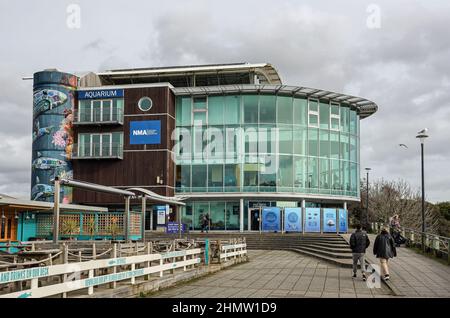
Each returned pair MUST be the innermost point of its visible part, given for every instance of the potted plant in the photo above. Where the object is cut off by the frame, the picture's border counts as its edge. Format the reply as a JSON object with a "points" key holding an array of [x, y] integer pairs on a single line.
{"points": [[91, 227], [70, 227], [114, 228]]}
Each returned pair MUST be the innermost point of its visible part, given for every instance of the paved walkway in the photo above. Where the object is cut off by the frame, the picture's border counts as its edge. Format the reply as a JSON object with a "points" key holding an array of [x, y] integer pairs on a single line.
{"points": [[416, 275], [278, 274]]}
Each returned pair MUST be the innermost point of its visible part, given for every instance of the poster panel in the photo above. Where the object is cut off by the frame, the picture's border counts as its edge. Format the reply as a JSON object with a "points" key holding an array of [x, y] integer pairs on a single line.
{"points": [[329, 220], [312, 220], [343, 220], [293, 219], [271, 219]]}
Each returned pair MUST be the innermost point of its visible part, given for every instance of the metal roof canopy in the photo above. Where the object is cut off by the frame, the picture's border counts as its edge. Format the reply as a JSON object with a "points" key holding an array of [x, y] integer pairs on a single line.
{"points": [[364, 106], [265, 69], [39, 205]]}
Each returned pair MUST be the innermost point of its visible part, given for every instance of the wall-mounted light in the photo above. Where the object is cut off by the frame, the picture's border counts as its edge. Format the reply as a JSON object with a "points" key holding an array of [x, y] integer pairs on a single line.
{"points": [[3, 214], [16, 216]]}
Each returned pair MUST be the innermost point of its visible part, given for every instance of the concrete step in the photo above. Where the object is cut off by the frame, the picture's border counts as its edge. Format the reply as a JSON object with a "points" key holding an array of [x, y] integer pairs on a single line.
{"points": [[343, 262], [333, 254]]}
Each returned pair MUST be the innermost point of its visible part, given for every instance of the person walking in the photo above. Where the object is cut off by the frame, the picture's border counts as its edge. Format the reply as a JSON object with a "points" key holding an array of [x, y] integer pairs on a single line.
{"points": [[203, 222], [384, 249], [359, 242]]}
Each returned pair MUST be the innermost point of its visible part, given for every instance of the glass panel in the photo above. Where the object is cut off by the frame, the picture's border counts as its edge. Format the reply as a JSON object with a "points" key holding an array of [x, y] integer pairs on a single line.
{"points": [[335, 180], [285, 174], [334, 145], [353, 149], [118, 109], [183, 178], [178, 111], [324, 143], [84, 144], [250, 108], [232, 177], [353, 122], [199, 102], [313, 105], [106, 145], [215, 178], [200, 118], [353, 178], [300, 165], [300, 111], [198, 178], [344, 147], [285, 141], [200, 209], [217, 216], [268, 174], [187, 215], [215, 144], [106, 110], [284, 109], [232, 216], [186, 111], [300, 141], [84, 111], [345, 173], [324, 116], [345, 119], [232, 110], [95, 145], [96, 110], [334, 109], [313, 120], [251, 139], [313, 142], [267, 108], [251, 168], [215, 110], [313, 172], [324, 174]]}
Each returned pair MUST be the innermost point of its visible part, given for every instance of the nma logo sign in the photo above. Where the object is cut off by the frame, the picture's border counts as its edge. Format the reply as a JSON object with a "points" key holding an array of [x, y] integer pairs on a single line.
{"points": [[146, 132]]}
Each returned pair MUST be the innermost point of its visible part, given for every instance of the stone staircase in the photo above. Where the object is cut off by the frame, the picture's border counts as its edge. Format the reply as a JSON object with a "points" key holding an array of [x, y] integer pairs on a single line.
{"points": [[332, 248]]}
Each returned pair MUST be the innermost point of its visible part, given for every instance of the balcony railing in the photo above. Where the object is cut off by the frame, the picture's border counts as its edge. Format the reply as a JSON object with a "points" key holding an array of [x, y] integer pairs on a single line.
{"points": [[98, 151], [99, 117]]}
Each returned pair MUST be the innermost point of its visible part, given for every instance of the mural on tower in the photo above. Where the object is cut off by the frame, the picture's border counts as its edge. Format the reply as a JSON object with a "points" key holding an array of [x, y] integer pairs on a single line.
{"points": [[53, 104]]}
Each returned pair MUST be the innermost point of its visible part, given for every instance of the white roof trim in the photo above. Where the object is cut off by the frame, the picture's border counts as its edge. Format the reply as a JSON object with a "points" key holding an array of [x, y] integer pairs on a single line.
{"points": [[29, 204]]}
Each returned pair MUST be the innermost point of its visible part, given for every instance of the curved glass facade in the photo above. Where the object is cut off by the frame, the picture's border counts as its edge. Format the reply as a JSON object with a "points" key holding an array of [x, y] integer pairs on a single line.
{"points": [[266, 143]]}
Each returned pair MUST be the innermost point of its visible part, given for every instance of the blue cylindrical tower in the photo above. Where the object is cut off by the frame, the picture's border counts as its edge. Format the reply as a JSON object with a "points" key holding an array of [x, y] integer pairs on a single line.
{"points": [[53, 104]]}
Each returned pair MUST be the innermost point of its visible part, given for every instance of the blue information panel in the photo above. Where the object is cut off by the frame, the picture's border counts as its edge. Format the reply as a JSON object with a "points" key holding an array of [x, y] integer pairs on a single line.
{"points": [[293, 219], [271, 219], [146, 132], [343, 220], [312, 220], [329, 220], [172, 227]]}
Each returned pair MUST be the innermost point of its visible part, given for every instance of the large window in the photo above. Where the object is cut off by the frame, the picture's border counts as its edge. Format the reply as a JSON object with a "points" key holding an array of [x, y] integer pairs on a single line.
{"points": [[268, 143], [96, 145], [100, 110]]}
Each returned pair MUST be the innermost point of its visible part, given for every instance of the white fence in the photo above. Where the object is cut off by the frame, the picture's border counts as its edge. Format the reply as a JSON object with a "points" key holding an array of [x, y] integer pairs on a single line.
{"points": [[82, 276]]}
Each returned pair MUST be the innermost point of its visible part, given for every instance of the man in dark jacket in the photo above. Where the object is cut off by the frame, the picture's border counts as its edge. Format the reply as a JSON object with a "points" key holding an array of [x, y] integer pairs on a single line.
{"points": [[384, 249], [359, 241]]}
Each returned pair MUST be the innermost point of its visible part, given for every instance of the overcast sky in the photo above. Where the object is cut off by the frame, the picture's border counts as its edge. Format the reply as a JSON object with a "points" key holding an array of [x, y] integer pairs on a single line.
{"points": [[402, 63]]}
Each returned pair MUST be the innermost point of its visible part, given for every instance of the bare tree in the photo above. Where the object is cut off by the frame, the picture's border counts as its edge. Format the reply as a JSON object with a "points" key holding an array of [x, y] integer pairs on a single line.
{"points": [[387, 198]]}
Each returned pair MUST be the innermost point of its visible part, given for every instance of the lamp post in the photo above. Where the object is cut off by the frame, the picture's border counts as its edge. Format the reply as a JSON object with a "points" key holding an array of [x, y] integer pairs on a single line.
{"points": [[367, 196], [422, 135]]}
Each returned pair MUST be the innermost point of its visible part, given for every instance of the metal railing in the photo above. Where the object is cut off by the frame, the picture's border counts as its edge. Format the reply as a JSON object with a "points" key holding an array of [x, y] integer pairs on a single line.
{"points": [[77, 267], [98, 150], [436, 244], [99, 116]]}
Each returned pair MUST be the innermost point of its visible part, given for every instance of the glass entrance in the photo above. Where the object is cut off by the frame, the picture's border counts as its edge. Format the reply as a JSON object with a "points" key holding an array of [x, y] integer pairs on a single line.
{"points": [[255, 214]]}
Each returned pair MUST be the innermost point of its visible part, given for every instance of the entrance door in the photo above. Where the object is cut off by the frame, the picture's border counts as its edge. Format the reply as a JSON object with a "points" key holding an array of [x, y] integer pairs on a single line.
{"points": [[8, 227], [255, 214]]}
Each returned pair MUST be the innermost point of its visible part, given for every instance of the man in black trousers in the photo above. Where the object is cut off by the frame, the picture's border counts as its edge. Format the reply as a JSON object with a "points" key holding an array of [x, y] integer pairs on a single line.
{"points": [[359, 242]]}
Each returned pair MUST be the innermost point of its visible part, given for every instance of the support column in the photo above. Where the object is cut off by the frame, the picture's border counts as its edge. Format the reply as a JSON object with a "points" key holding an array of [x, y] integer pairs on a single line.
{"points": [[144, 208], [126, 218], [56, 195], [241, 215], [345, 205], [303, 215]]}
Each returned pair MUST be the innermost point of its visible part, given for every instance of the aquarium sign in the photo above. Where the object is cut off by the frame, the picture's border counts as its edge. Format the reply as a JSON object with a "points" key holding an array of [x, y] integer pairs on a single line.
{"points": [[312, 220], [343, 220], [146, 132], [329, 220], [271, 219], [293, 219], [100, 94]]}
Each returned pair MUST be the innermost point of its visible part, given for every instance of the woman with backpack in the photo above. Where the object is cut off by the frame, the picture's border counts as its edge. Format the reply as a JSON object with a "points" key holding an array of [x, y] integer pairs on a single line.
{"points": [[384, 249]]}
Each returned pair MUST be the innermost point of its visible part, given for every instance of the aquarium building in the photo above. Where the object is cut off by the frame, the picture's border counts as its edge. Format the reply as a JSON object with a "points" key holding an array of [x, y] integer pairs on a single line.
{"points": [[229, 140]]}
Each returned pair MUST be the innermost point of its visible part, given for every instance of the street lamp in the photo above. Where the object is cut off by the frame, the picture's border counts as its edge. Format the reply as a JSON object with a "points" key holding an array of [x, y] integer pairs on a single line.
{"points": [[422, 135], [367, 195]]}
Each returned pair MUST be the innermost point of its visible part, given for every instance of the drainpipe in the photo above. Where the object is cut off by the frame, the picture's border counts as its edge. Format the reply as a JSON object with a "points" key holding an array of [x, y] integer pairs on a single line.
{"points": [[56, 195]]}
